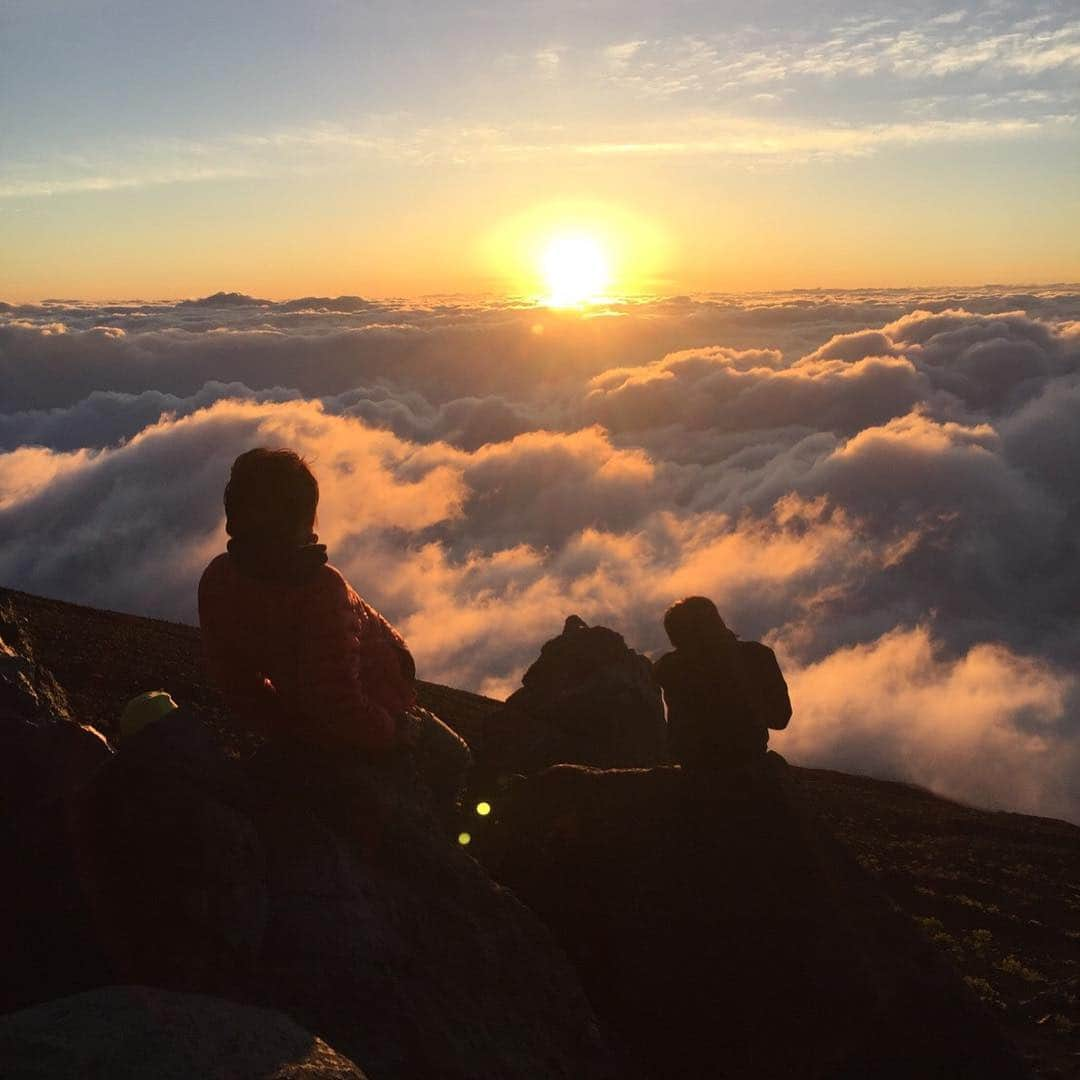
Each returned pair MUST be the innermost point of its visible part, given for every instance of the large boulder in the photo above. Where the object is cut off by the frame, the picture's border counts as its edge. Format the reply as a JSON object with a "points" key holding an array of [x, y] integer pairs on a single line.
{"points": [[440, 761], [49, 939], [171, 862], [151, 872], [722, 932], [400, 948], [46, 759], [134, 1032], [44, 753], [327, 889], [588, 699]]}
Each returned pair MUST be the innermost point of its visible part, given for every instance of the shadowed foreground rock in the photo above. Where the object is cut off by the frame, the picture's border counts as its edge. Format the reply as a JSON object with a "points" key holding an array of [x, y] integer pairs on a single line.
{"points": [[136, 1032], [724, 934], [48, 945], [410, 957], [169, 856], [44, 754], [720, 940], [347, 908]]}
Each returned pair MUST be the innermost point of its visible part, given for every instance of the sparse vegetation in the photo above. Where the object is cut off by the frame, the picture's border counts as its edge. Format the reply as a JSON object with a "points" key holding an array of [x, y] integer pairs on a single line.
{"points": [[996, 893], [1060, 1023], [985, 991], [979, 942], [978, 905], [1012, 966]]}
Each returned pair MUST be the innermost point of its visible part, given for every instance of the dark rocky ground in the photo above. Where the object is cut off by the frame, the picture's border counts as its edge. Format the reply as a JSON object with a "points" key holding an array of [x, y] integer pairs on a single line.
{"points": [[166, 1035], [998, 894], [315, 884]]}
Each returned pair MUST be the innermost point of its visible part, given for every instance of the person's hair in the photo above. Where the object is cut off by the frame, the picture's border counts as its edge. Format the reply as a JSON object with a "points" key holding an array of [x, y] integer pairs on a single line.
{"points": [[271, 497], [691, 620]]}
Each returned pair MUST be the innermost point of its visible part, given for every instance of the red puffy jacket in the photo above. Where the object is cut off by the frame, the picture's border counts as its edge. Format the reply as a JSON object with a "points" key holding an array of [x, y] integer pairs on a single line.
{"points": [[310, 660]]}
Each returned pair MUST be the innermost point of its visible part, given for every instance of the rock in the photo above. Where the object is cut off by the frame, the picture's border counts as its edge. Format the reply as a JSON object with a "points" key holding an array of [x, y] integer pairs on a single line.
{"points": [[401, 949], [133, 1032], [171, 861], [26, 689], [325, 888], [588, 699], [151, 872], [44, 754], [724, 933], [441, 761], [47, 937]]}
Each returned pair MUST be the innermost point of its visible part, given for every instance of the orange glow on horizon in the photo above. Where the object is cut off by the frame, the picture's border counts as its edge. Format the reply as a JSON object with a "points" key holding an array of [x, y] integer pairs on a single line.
{"points": [[569, 255]]}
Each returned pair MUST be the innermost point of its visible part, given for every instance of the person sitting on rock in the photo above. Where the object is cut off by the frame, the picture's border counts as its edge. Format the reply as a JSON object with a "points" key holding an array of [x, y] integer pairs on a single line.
{"points": [[298, 654], [723, 695], [588, 699]]}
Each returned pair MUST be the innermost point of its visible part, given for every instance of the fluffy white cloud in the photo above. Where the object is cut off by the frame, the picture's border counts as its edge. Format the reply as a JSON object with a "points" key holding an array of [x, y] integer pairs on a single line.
{"points": [[975, 726], [881, 485]]}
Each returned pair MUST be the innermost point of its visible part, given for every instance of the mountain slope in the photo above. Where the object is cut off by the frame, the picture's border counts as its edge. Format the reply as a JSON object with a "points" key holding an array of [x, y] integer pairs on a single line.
{"points": [[998, 892], [104, 658]]}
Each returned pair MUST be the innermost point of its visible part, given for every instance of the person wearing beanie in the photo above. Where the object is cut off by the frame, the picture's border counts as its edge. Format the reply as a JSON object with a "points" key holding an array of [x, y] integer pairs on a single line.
{"points": [[295, 650], [722, 694]]}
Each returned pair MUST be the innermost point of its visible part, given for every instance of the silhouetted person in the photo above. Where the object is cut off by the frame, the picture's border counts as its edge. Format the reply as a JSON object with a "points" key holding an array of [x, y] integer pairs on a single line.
{"points": [[722, 694], [298, 655], [587, 699]]}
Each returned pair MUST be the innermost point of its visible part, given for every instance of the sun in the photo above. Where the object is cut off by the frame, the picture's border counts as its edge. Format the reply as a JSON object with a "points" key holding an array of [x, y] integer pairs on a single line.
{"points": [[576, 269]]}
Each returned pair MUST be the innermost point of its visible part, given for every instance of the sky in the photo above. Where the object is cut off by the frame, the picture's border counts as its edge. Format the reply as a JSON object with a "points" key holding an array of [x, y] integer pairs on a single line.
{"points": [[577, 308], [162, 150]]}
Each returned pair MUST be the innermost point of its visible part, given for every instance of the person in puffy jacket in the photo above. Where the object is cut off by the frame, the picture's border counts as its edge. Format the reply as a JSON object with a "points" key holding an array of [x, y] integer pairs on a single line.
{"points": [[303, 660], [722, 694], [294, 649]]}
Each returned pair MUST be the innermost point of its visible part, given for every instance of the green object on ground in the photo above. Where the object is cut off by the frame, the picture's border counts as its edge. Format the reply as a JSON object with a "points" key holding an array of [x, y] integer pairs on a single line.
{"points": [[145, 709]]}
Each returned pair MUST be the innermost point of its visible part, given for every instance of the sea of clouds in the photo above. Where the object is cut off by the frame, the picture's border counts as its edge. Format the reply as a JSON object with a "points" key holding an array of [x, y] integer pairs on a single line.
{"points": [[881, 484]]}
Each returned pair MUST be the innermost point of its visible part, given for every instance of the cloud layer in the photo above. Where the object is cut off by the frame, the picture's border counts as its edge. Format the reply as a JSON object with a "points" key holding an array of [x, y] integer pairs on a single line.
{"points": [[881, 484]]}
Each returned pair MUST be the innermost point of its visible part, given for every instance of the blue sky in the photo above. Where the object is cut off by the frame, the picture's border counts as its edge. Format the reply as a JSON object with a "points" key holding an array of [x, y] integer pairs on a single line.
{"points": [[877, 144]]}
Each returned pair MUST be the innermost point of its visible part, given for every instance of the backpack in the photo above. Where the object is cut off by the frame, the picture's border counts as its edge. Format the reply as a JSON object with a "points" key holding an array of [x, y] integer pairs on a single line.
{"points": [[764, 685]]}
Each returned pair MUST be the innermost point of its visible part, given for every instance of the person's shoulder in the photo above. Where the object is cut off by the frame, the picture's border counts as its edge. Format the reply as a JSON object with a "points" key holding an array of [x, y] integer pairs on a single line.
{"points": [[333, 588], [329, 586], [757, 657], [665, 664], [215, 593], [330, 577], [216, 571], [343, 583], [329, 581]]}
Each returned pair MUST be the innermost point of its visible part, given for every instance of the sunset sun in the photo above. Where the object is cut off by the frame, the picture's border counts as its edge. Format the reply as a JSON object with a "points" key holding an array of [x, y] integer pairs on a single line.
{"points": [[575, 269]]}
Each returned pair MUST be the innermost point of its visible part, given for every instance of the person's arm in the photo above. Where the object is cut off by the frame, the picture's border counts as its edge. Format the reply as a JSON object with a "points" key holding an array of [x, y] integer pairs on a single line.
{"points": [[331, 689], [251, 700], [764, 687], [388, 668]]}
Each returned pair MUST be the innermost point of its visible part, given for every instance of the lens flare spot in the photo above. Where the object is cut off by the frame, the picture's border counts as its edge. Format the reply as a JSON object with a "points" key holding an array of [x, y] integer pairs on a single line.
{"points": [[464, 839], [483, 808]]}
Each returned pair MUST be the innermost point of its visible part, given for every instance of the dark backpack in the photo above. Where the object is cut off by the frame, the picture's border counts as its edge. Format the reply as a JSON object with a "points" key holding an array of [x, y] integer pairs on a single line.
{"points": [[764, 685]]}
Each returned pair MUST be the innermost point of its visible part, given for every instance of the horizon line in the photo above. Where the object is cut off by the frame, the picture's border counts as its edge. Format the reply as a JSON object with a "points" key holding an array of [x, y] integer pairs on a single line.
{"points": [[532, 300]]}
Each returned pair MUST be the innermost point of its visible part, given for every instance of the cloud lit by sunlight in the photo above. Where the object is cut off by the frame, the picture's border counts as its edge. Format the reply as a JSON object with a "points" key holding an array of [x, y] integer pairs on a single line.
{"points": [[870, 481]]}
